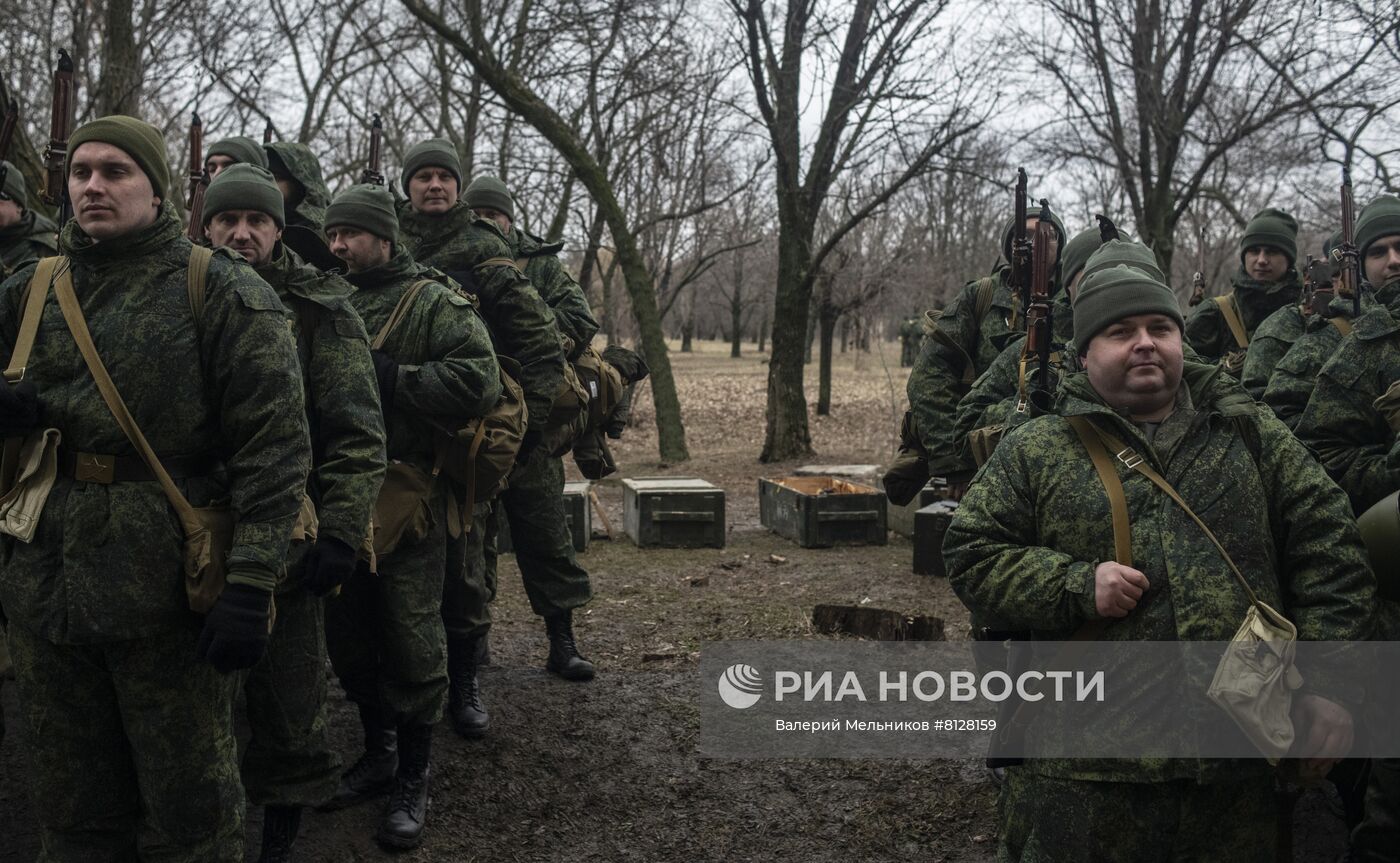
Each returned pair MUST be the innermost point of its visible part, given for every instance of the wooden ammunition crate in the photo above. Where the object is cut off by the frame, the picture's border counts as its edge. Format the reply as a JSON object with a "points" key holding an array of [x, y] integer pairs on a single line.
{"points": [[578, 515], [822, 511], [673, 512], [930, 524]]}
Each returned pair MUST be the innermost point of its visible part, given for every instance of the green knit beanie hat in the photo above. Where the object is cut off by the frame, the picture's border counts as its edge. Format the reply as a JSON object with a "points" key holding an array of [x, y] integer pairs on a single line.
{"points": [[1115, 293], [137, 138], [490, 193], [436, 153], [1274, 228], [1380, 218], [244, 187], [367, 207], [1127, 253], [1032, 213], [1076, 253], [14, 184], [240, 149]]}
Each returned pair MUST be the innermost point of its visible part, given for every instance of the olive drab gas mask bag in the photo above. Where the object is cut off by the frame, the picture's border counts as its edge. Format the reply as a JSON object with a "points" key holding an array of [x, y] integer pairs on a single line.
{"points": [[29, 464], [1255, 679]]}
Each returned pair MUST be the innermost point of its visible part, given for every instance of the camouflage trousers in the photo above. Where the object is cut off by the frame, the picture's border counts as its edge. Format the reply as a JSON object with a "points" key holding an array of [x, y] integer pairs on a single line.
{"points": [[132, 749], [289, 760], [1046, 819], [467, 588], [385, 634], [1377, 838]]}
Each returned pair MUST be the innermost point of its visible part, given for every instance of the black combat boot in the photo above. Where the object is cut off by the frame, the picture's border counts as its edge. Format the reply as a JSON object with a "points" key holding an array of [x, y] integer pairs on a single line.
{"points": [[464, 705], [373, 774], [407, 814], [564, 659], [280, 826]]}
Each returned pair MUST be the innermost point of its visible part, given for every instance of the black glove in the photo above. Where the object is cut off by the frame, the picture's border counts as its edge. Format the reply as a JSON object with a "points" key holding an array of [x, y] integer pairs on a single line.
{"points": [[19, 409], [386, 372], [328, 564], [235, 630]]}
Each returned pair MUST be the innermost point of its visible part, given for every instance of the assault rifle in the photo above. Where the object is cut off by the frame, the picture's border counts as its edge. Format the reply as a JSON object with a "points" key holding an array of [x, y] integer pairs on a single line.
{"points": [[1038, 311], [1198, 281], [372, 173], [60, 127], [1346, 255], [1021, 248], [199, 180], [1317, 286], [1107, 230], [267, 133]]}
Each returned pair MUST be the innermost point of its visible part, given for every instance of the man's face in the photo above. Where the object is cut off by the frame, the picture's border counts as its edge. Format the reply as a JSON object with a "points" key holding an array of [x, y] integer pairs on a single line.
{"points": [[1031, 223], [111, 195], [291, 192], [251, 233], [360, 250], [1073, 287], [216, 163], [1265, 263], [1382, 262], [1135, 364], [501, 219], [432, 190], [10, 212]]}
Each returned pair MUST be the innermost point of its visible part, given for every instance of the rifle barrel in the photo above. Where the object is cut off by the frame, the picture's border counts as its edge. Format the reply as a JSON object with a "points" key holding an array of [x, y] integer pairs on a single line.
{"points": [[60, 127]]}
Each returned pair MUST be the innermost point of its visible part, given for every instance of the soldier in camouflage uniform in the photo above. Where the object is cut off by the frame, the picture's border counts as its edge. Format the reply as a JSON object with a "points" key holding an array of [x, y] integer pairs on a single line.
{"points": [[1266, 282], [911, 334], [289, 763], [1031, 546], [25, 236], [1291, 385], [126, 694], [1352, 437], [967, 336], [233, 151], [442, 231], [533, 503], [385, 632], [298, 173]]}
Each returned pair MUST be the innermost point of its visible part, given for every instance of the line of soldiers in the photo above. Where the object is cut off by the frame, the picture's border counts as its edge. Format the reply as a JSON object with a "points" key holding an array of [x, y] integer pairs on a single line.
{"points": [[318, 406], [1064, 532]]}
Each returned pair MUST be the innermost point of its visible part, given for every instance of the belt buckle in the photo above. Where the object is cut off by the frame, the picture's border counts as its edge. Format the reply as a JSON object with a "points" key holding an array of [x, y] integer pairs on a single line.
{"points": [[96, 468]]}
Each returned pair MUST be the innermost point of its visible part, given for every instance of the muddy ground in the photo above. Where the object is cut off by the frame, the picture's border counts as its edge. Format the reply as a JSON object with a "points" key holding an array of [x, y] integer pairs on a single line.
{"points": [[608, 771]]}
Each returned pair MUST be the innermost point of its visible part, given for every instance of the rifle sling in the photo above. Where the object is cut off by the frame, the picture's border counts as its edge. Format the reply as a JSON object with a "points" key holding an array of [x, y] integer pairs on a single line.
{"points": [[1231, 311]]}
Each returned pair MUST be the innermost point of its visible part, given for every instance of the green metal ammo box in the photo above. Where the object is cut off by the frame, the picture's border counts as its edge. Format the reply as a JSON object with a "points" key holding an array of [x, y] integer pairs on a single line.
{"points": [[822, 511], [673, 512]]}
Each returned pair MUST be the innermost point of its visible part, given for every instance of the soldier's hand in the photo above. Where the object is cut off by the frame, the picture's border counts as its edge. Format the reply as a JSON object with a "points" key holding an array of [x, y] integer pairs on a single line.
{"points": [[1326, 733], [1117, 589], [386, 373], [235, 630], [327, 565], [19, 408]]}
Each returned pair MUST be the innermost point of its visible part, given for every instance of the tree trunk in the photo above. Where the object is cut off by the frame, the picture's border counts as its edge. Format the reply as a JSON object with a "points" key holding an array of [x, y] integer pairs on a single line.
{"points": [[736, 323], [811, 339], [787, 435], [763, 331], [119, 90], [827, 324], [845, 333], [687, 335]]}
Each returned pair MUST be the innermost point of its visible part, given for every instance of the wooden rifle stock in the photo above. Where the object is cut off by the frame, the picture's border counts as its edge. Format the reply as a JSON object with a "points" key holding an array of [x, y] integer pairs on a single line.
{"points": [[1038, 310], [60, 127]]}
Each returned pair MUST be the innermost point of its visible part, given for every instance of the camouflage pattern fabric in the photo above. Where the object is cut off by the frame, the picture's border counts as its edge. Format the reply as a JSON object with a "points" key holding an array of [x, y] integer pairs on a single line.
{"points": [[1208, 333], [304, 167], [131, 748], [1377, 837], [1049, 820], [533, 504], [33, 237], [1341, 423], [1022, 547], [468, 588], [1279, 332], [289, 760], [1291, 385], [556, 287], [521, 325], [106, 563], [935, 384]]}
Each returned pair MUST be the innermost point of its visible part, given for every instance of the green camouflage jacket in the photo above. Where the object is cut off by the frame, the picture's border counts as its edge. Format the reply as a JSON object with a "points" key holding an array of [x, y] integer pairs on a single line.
{"points": [[26, 241], [556, 287], [107, 561], [305, 169], [1206, 329], [1279, 332], [342, 397], [936, 382], [522, 327], [447, 373], [1295, 373], [1024, 543], [1341, 423]]}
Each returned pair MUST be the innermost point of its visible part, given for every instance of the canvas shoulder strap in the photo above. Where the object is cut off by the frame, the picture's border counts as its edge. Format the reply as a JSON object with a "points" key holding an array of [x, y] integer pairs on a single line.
{"points": [[986, 292], [399, 313], [197, 282], [1231, 311], [77, 325], [1112, 486], [36, 295]]}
